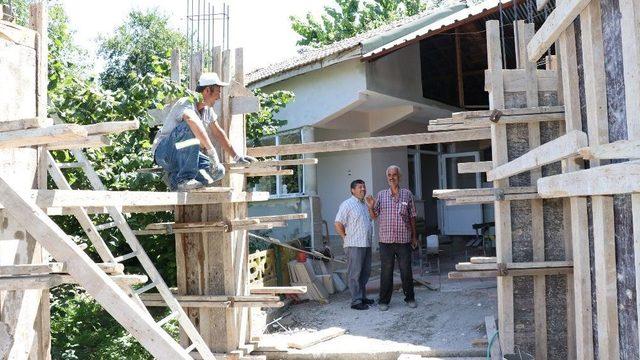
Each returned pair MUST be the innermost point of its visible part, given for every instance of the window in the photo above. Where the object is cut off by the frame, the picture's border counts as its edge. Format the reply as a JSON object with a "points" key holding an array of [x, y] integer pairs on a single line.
{"points": [[280, 185]]}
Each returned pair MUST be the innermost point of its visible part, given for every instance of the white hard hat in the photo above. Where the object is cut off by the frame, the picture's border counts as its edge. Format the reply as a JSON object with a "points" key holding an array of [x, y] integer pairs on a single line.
{"points": [[210, 78]]}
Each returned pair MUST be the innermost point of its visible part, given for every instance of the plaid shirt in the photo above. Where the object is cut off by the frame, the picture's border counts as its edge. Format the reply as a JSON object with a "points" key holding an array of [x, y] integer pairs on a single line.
{"points": [[395, 215]]}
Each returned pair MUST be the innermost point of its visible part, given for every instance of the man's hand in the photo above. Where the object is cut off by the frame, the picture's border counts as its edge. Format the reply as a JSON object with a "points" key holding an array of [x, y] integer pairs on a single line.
{"points": [[414, 242], [370, 201], [246, 159], [213, 156]]}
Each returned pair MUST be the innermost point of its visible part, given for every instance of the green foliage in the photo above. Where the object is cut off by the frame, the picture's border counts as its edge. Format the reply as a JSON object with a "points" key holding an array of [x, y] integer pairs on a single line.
{"points": [[352, 17], [20, 11], [143, 36], [262, 123]]}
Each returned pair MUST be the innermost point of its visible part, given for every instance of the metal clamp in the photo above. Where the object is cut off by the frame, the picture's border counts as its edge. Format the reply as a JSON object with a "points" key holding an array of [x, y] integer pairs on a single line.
{"points": [[502, 269], [499, 194], [495, 115]]}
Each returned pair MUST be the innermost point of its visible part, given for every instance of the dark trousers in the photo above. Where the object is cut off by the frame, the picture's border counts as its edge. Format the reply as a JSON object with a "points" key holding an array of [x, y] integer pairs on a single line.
{"points": [[358, 271], [388, 255]]}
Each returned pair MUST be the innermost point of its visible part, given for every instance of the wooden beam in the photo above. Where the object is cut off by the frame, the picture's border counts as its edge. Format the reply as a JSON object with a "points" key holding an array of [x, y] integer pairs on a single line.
{"points": [[515, 81], [272, 290], [483, 260], [273, 163], [312, 338], [499, 154], [458, 193], [555, 150], [527, 114], [111, 127], [283, 217], [114, 300], [371, 143], [93, 141], [23, 124], [41, 136], [490, 326], [262, 172], [621, 178], [34, 282], [474, 167], [468, 266], [559, 19], [30, 269], [622, 149], [509, 273]]}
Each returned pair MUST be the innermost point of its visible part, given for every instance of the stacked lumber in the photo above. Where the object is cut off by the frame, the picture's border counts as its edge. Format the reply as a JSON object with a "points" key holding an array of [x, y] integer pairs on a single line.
{"points": [[303, 274]]}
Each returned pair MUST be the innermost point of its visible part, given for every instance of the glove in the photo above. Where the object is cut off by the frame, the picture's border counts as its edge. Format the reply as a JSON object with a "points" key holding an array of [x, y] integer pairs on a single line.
{"points": [[246, 159], [213, 157]]}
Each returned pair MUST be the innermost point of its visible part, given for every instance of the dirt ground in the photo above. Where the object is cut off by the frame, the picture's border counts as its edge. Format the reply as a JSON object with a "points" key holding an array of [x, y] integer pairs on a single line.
{"points": [[444, 324]]}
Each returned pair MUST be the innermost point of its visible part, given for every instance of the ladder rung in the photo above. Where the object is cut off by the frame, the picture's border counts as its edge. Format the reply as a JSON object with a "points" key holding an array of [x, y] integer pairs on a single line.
{"points": [[190, 348], [68, 165], [173, 315], [106, 226], [147, 287], [126, 257]]}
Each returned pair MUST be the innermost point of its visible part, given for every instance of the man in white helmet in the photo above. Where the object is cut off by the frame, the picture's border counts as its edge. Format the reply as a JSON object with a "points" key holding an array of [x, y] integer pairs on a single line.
{"points": [[183, 148]]}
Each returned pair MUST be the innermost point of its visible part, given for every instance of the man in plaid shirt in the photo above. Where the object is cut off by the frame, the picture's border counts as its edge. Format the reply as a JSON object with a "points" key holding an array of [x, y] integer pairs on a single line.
{"points": [[396, 212]]}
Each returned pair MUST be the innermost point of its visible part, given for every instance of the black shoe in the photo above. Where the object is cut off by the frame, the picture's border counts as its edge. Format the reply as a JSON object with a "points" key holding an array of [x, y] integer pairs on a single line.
{"points": [[368, 301], [360, 307]]}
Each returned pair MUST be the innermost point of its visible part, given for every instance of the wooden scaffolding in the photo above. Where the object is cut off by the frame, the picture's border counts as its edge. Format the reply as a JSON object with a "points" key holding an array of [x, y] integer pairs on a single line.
{"points": [[566, 208]]}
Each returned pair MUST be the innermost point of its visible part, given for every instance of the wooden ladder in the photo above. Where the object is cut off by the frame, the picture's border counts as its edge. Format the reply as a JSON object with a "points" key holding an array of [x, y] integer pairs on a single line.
{"points": [[119, 221]]}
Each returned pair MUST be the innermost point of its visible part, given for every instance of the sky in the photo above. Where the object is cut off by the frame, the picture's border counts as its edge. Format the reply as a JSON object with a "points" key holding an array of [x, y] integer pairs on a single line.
{"points": [[261, 27]]}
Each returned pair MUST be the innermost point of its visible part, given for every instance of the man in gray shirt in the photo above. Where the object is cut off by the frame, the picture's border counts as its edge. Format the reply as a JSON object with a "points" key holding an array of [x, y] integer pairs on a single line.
{"points": [[183, 148], [353, 224]]}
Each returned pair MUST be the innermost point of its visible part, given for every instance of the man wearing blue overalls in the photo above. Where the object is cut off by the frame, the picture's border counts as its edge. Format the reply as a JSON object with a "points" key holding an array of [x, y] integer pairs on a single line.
{"points": [[183, 148]]}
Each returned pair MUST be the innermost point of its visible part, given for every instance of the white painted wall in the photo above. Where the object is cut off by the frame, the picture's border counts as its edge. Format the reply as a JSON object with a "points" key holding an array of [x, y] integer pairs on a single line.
{"points": [[336, 171], [322, 93]]}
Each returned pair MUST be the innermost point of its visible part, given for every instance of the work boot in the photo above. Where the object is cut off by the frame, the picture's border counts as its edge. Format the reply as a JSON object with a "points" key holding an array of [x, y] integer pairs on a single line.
{"points": [[368, 301], [360, 306], [191, 184], [216, 172]]}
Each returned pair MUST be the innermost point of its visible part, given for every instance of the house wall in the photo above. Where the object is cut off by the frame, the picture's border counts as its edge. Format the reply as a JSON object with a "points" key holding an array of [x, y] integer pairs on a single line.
{"points": [[321, 94], [287, 205]]}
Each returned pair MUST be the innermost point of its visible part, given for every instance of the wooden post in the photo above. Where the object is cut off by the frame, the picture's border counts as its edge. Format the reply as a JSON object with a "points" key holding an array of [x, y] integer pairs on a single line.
{"points": [[502, 208], [24, 313], [215, 263], [459, 70]]}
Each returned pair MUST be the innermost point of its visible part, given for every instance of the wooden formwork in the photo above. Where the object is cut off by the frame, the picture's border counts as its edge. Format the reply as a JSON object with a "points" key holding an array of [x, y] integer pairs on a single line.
{"points": [[587, 209], [532, 309]]}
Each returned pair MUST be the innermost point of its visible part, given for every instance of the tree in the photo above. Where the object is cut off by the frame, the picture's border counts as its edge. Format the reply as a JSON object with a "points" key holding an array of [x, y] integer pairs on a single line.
{"points": [[351, 17], [143, 36]]}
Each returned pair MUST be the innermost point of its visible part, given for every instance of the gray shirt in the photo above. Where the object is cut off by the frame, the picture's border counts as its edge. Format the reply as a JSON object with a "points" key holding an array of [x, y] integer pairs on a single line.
{"points": [[354, 215], [174, 117]]}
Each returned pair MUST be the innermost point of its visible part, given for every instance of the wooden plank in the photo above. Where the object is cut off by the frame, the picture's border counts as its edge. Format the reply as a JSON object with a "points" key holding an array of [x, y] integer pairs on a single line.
{"points": [[559, 19], [483, 260], [490, 326], [630, 34], [457, 193], [41, 136], [526, 114], [302, 341], [30, 269], [514, 80], [90, 276], [466, 200], [244, 105], [474, 167], [262, 172], [502, 208], [83, 198], [371, 143], [621, 149], [112, 127], [93, 141], [621, 178], [283, 217], [476, 274], [34, 282], [279, 290], [510, 266], [540, 4], [17, 34], [23, 124], [605, 270], [555, 150], [273, 163]]}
